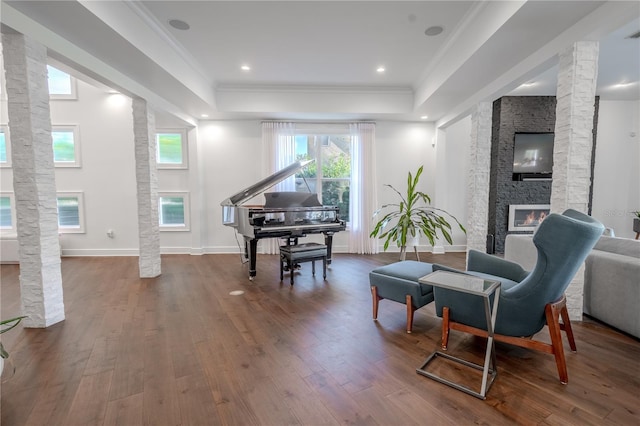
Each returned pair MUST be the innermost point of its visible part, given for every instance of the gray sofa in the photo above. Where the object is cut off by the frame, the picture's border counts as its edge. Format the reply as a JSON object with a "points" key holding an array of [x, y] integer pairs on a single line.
{"points": [[612, 284]]}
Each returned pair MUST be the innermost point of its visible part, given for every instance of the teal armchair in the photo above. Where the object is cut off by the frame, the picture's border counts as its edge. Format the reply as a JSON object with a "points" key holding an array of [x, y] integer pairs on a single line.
{"points": [[528, 300]]}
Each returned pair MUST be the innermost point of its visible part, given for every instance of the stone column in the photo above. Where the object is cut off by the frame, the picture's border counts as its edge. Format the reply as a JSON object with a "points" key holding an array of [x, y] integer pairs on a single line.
{"points": [[577, 78], [478, 179], [147, 182], [34, 180]]}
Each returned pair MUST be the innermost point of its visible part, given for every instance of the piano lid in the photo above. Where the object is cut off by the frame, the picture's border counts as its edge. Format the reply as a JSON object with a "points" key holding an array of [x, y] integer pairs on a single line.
{"points": [[266, 183]]}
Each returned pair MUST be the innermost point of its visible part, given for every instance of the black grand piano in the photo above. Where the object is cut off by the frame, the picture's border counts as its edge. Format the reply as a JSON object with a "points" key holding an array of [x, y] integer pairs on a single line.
{"points": [[284, 215]]}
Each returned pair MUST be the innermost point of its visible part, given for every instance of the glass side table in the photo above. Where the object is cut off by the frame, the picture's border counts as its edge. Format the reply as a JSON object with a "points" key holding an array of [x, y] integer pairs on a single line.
{"points": [[481, 288]]}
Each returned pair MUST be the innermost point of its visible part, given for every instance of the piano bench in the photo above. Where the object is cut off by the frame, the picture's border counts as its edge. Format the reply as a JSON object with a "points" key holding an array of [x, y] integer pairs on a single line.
{"points": [[307, 252]]}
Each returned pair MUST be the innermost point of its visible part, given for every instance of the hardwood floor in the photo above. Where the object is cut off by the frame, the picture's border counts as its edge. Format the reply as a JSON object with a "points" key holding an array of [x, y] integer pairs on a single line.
{"points": [[180, 350]]}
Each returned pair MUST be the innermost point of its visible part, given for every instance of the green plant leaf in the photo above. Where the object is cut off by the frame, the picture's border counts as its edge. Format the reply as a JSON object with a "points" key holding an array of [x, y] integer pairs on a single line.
{"points": [[4, 354], [11, 324], [409, 218]]}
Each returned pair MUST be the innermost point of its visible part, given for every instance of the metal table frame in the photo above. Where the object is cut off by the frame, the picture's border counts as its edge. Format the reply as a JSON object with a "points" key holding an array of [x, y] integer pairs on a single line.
{"points": [[480, 287]]}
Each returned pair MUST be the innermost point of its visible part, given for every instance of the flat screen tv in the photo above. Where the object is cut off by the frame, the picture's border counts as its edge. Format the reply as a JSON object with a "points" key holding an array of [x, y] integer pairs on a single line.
{"points": [[533, 155]]}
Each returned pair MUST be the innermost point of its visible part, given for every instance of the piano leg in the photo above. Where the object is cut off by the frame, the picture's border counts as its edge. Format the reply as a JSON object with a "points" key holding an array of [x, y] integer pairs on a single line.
{"points": [[251, 246], [328, 240]]}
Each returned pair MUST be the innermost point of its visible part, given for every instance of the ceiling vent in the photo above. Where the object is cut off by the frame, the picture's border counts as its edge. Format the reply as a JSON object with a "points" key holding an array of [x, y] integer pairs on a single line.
{"points": [[634, 35]]}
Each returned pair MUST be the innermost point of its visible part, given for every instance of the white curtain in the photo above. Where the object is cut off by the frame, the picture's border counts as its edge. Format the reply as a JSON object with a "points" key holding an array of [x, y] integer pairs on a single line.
{"points": [[363, 199], [278, 140]]}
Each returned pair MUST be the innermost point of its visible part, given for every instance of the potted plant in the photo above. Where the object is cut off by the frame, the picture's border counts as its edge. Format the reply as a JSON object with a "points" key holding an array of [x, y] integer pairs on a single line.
{"points": [[636, 223], [410, 217], [5, 326]]}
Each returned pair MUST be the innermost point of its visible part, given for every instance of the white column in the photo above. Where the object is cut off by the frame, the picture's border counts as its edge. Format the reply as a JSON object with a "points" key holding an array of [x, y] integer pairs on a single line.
{"points": [[478, 179], [34, 180], [147, 182], [577, 77]]}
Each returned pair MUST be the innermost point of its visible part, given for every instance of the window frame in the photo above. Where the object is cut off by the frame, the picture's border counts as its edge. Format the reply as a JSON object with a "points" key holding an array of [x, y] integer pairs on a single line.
{"points": [[80, 229], [186, 205], [319, 158], [7, 139], [73, 85], [13, 230], [75, 129], [184, 164]]}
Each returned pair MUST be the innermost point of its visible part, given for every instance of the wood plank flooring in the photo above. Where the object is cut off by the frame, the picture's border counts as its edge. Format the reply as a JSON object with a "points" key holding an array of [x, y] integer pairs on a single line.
{"points": [[180, 350]]}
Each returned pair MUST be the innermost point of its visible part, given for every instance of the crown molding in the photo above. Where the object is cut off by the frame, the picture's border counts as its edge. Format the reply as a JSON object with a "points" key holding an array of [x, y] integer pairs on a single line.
{"points": [[313, 89], [158, 28]]}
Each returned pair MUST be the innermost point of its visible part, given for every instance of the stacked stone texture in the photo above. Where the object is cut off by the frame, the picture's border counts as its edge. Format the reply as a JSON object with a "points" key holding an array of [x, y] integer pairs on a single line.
{"points": [[577, 77], [147, 182], [34, 181], [511, 115], [478, 178]]}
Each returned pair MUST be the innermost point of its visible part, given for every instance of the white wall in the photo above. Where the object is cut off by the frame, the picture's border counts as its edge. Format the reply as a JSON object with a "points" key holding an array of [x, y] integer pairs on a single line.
{"points": [[107, 173], [455, 175], [231, 160], [226, 156], [232, 156], [402, 148], [616, 186]]}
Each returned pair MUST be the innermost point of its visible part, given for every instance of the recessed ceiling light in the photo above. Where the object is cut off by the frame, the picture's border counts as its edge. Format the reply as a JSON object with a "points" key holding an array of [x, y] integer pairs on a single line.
{"points": [[204, 115], [434, 30], [624, 84], [424, 117], [245, 68], [380, 69], [179, 24]]}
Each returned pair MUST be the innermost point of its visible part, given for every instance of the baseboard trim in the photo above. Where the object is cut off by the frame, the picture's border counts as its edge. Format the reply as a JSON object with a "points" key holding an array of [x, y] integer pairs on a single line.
{"points": [[99, 252], [227, 250]]}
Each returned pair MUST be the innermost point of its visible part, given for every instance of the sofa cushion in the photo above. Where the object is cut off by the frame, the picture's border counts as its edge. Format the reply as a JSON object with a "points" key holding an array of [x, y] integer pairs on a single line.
{"points": [[394, 279], [623, 246], [612, 290]]}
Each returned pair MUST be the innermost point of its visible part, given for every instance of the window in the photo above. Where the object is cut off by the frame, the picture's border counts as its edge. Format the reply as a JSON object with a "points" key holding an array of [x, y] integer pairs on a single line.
{"points": [[70, 212], [7, 213], [171, 146], [330, 175], [66, 146], [173, 210], [5, 147], [61, 84]]}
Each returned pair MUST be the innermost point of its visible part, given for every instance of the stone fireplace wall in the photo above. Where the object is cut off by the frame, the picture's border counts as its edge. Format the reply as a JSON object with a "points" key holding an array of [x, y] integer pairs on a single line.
{"points": [[513, 114]]}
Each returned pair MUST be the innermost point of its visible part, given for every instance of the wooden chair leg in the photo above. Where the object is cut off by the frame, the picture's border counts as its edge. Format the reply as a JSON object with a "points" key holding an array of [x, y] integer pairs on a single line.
{"points": [[566, 325], [376, 300], [445, 327], [410, 311], [552, 313]]}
